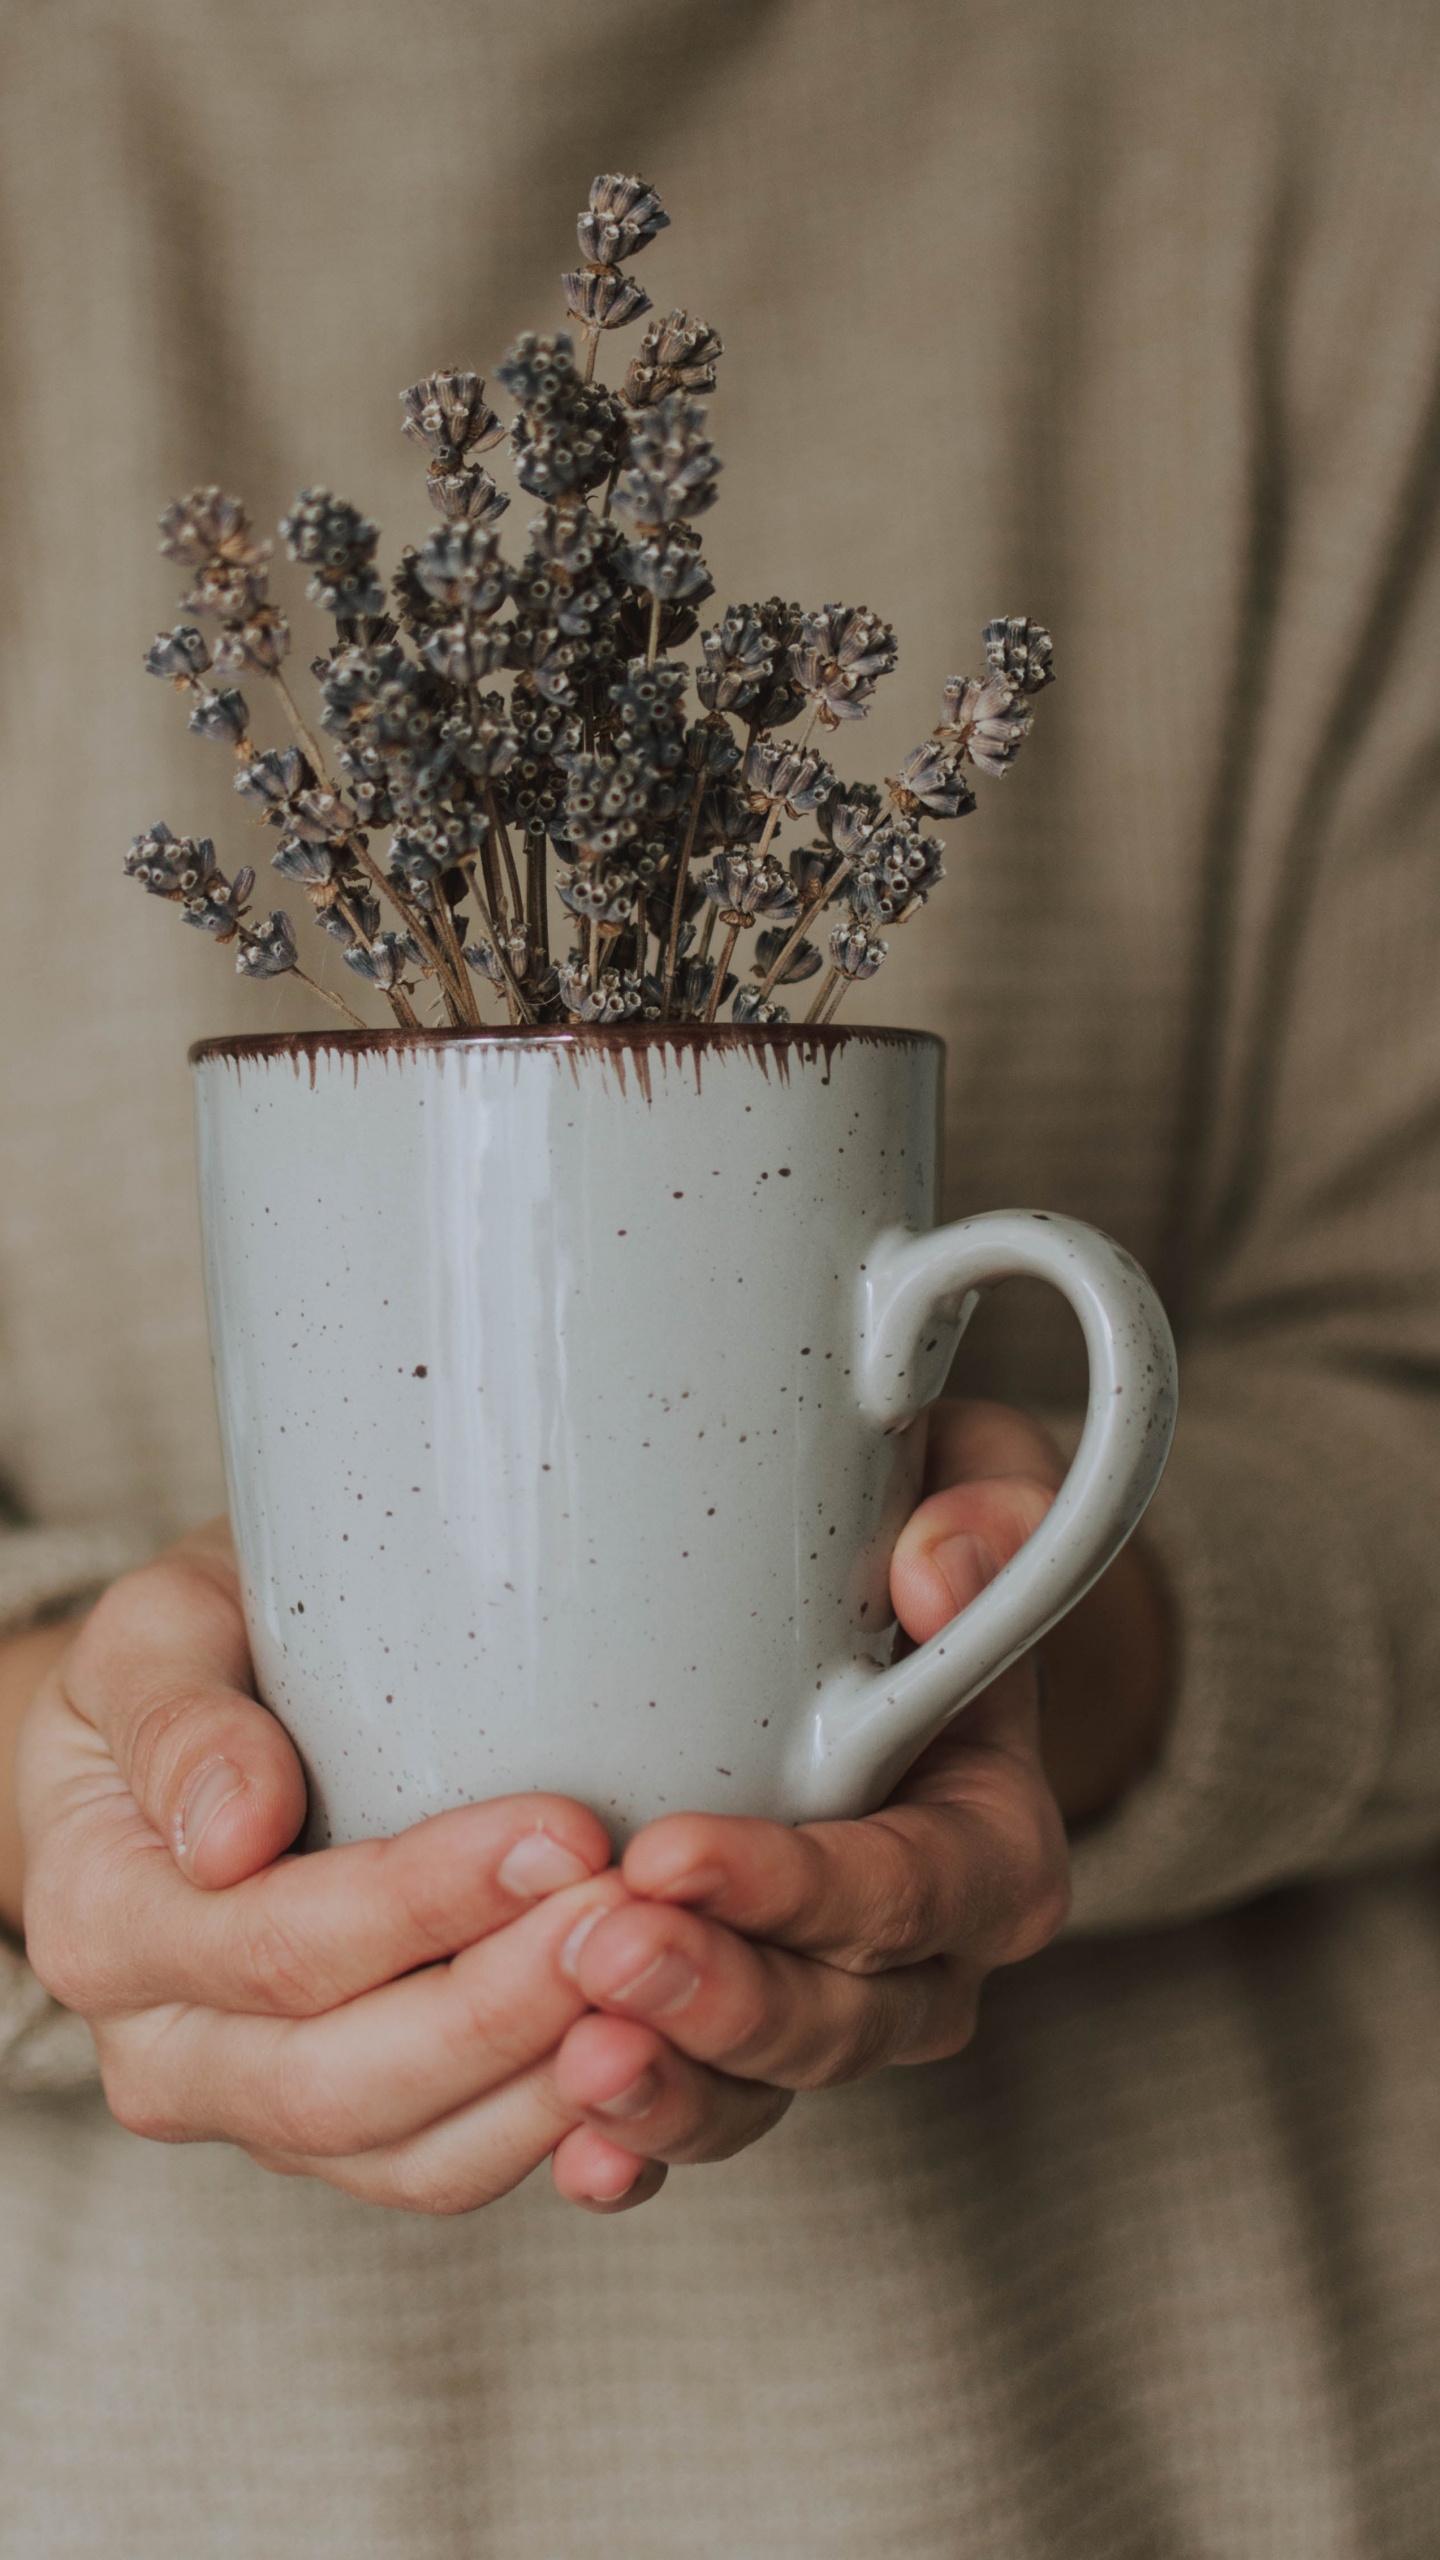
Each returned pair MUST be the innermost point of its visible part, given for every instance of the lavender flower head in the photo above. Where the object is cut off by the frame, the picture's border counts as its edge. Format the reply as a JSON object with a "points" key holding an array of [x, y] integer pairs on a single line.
{"points": [[516, 734]]}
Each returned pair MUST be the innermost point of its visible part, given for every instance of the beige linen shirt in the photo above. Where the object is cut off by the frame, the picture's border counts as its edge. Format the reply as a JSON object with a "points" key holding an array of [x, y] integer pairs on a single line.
{"points": [[1125, 313]]}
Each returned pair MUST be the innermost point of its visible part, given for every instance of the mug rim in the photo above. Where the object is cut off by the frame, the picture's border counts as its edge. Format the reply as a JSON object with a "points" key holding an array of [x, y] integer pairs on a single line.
{"points": [[816, 1039]]}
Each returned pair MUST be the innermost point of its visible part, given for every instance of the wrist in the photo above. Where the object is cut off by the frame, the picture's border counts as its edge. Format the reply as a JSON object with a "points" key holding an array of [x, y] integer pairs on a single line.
{"points": [[25, 1661]]}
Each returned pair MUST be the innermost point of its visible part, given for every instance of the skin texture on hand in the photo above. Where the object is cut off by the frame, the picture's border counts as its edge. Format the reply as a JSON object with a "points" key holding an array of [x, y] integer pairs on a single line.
{"points": [[777, 1959], [422, 2021], [384, 2016]]}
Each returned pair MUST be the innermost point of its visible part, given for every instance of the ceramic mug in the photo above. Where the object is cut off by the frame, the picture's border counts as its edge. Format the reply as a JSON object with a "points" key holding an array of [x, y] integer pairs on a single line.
{"points": [[569, 1385]]}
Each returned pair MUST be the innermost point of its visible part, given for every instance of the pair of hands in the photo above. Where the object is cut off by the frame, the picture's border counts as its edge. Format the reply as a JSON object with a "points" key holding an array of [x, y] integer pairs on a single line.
{"points": [[421, 2021]]}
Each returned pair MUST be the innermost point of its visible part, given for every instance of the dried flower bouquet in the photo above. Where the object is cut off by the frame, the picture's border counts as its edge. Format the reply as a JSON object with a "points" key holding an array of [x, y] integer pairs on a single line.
{"points": [[586, 777]]}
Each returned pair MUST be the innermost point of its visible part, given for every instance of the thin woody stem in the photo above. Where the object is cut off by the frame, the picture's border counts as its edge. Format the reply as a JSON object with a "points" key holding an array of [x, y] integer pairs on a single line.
{"points": [[383, 883], [326, 997], [399, 1002], [469, 1009], [412, 917], [303, 732], [536, 911], [822, 897], [677, 901], [652, 649], [823, 993], [395, 996], [501, 835], [592, 350], [836, 1000], [777, 807], [713, 1006], [487, 918]]}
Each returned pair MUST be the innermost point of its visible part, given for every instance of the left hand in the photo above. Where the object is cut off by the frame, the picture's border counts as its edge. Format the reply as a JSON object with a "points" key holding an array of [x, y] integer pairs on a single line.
{"points": [[754, 1959]]}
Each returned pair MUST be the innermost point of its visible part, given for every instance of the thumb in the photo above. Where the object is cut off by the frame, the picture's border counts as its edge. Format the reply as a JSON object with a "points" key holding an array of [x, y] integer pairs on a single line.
{"points": [[956, 1542], [158, 1683]]}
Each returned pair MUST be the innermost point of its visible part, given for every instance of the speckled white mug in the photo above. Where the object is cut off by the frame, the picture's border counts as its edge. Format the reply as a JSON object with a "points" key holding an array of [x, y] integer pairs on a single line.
{"points": [[565, 1381]]}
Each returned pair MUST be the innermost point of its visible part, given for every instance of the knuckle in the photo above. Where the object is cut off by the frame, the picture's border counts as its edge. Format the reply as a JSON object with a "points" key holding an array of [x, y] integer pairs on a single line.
{"points": [[487, 2021], [952, 2025], [1043, 1918], [54, 1951], [846, 2048], [417, 2183], [156, 1751], [417, 1887], [307, 2114], [710, 2136], [904, 1914], [137, 2101], [274, 1970], [751, 2034]]}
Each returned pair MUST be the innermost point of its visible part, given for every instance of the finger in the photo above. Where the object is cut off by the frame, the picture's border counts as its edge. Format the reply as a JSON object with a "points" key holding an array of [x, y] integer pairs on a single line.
{"points": [[593, 2173], [956, 1542], [375, 2072], [463, 2162], [633, 2088], [159, 1677], [972, 1858], [113, 1926], [968, 1437], [759, 2012]]}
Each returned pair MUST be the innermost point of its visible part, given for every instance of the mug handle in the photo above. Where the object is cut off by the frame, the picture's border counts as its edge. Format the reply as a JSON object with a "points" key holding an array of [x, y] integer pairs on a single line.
{"points": [[917, 1295]]}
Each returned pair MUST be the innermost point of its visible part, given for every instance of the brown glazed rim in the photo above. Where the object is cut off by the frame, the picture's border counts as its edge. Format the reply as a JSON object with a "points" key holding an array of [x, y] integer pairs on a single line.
{"points": [[816, 1038]]}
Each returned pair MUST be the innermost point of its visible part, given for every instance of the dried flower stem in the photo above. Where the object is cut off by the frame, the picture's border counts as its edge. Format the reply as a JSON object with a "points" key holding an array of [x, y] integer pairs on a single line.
{"points": [[586, 751], [385, 886], [777, 807], [467, 1013], [537, 914], [305, 734], [326, 997], [520, 1010], [677, 901], [400, 1004], [823, 994], [713, 1006], [822, 897], [414, 920], [498, 835]]}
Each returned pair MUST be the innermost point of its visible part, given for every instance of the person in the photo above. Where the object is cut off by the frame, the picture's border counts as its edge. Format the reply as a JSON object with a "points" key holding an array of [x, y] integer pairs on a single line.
{"points": [[1124, 315]]}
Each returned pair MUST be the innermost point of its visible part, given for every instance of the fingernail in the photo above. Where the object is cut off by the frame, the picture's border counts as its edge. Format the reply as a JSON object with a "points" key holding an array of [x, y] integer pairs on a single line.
{"points": [[570, 1952], [637, 2100], [218, 1781], [967, 1564], [695, 1884], [663, 1987], [538, 1865]]}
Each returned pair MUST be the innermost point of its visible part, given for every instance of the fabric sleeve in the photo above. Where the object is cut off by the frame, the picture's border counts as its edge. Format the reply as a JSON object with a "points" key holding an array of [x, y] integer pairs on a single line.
{"points": [[1298, 1527], [44, 1572]]}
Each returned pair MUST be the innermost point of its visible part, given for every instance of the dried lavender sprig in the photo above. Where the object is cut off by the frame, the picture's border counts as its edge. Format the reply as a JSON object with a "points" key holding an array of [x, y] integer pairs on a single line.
{"points": [[212, 535], [586, 599]]}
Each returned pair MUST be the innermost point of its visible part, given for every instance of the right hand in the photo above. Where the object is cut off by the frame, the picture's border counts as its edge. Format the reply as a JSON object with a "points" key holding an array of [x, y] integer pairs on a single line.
{"points": [[383, 2016]]}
